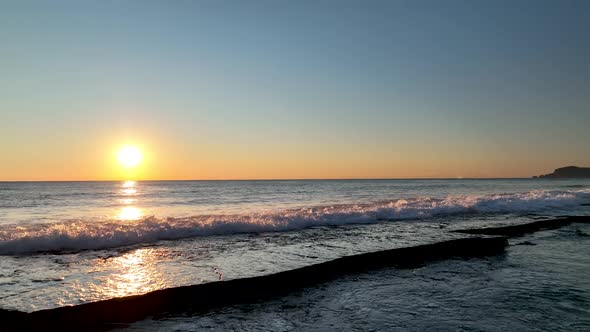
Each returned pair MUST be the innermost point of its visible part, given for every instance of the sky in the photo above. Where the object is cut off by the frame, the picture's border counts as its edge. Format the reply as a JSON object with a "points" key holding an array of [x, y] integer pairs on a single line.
{"points": [[293, 89]]}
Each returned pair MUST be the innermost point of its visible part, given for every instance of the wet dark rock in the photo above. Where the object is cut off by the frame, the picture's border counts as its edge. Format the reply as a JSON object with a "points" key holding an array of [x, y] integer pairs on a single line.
{"points": [[521, 229], [525, 243]]}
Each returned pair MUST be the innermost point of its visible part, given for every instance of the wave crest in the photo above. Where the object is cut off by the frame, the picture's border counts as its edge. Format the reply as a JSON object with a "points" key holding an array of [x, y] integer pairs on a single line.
{"points": [[78, 235]]}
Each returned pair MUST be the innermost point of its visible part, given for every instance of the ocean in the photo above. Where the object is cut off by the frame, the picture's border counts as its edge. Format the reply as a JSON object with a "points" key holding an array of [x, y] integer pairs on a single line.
{"points": [[69, 243]]}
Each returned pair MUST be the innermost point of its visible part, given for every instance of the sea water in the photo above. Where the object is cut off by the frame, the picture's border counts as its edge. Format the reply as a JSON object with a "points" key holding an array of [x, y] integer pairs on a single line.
{"points": [[66, 243], [540, 284]]}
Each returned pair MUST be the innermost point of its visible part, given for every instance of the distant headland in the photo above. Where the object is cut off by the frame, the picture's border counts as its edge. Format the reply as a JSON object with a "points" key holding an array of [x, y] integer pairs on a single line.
{"points": [[567, 172]]}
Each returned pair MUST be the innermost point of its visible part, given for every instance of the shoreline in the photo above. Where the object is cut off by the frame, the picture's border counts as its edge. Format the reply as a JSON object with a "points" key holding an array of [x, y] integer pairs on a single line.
{"points": [[218, 294], [203, 297]]}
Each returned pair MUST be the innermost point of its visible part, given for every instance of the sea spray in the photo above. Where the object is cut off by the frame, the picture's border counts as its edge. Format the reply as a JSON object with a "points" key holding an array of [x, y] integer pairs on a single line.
{"points": [[75, 235]]}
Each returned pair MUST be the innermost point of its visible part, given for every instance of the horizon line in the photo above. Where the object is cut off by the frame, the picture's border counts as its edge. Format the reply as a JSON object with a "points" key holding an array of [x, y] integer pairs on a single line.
{"points": [[279, 179]]}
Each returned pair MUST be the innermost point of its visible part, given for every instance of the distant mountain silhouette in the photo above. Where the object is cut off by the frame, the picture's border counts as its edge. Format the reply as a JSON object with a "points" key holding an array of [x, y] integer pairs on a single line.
{"points": [[567, 172]]}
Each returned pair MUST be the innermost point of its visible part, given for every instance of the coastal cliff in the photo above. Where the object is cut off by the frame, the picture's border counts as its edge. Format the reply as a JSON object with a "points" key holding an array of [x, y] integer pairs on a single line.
{"points": [[567, 172]]}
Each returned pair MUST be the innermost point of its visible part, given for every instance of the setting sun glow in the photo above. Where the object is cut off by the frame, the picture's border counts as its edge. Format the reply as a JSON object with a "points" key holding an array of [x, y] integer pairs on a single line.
{"points": [[129, 156]]}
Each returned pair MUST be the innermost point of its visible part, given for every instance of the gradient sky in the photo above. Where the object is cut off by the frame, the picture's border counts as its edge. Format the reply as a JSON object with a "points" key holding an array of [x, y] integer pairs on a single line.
{"points": [[293, 89]]}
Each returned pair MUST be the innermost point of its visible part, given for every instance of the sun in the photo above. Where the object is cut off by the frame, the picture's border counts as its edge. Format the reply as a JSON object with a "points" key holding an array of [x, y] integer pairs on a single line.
{"points": [[129, 156]]}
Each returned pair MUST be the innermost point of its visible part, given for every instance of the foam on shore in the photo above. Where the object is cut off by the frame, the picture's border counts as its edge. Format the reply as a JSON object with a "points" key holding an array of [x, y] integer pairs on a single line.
{"points": [[76, 235]]}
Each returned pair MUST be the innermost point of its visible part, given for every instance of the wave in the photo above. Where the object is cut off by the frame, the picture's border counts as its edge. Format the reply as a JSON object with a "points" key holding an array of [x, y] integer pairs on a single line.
{"points": [[85, 235], [576, 186]]}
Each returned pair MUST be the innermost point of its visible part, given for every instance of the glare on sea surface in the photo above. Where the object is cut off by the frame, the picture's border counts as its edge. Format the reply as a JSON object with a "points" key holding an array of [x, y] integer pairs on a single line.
{"points": [[137, 274], [129, 191], [129, 188], [128, 184], [130, 213], [129, 156]]}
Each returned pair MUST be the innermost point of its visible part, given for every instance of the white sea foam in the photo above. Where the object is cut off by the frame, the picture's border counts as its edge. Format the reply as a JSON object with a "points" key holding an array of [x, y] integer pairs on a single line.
{"points": [[78, 235]]}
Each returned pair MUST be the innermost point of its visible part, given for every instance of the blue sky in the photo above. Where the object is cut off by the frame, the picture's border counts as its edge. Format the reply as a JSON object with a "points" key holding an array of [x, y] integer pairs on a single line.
{"points": [[339, 88]]}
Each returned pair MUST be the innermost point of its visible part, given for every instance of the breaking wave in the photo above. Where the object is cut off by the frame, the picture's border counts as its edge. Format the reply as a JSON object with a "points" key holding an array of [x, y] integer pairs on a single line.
{"points": [[84, 235]]}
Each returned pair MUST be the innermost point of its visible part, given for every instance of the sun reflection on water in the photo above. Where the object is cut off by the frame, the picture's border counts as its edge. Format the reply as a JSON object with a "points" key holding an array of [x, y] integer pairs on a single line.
{"points": [[129, 191], [130, 213], [127, 201], [138, 274], [129, 188], [129, 184]]}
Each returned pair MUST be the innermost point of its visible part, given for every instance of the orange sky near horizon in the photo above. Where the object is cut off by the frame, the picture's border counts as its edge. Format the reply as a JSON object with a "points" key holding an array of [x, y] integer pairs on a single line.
{"points": [[77, 161], [195, 150]]}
